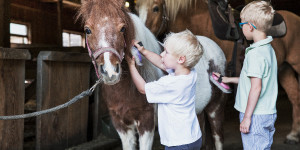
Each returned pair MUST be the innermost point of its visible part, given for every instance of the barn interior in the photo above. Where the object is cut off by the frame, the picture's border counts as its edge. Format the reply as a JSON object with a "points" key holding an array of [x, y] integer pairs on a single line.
{"points": [[39, 39]]}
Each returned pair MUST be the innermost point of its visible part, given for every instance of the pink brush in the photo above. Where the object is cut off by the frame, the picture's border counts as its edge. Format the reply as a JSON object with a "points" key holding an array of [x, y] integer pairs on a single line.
{"points": [[218, 82]]}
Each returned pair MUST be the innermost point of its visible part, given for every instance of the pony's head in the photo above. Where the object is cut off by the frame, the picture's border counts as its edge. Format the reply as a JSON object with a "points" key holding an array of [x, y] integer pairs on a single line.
{"points": [[154, 15], [108, 39], [159, 14]]}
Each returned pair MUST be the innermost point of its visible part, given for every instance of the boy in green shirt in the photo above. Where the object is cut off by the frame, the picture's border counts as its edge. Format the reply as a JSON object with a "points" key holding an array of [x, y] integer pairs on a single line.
{"points": [[257, 85]]}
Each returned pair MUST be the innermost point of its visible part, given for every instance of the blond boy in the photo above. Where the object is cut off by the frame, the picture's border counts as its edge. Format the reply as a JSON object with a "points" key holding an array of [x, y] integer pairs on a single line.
{"points": [[257, 85], [175, 92]]}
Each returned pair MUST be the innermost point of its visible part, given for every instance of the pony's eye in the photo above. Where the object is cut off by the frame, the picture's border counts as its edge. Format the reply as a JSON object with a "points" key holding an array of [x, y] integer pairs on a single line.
{"points": [[123, 29], [87, 31], [155, 9]]}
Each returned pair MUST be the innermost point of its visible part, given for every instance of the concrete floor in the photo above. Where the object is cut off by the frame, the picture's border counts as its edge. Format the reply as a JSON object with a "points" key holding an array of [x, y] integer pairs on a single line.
{"points": [[283, 125], [231, 127], [231, 131]]}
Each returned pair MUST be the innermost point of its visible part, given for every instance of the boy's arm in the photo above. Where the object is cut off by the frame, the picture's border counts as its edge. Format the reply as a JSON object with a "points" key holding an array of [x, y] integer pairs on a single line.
{"points": [[135, 75], [151, 56], [234, 80], [251, 104]]}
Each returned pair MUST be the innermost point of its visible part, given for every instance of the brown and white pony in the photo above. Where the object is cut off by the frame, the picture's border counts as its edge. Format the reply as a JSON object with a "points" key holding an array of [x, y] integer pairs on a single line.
{"points": [[109, 31], [194, 15]]}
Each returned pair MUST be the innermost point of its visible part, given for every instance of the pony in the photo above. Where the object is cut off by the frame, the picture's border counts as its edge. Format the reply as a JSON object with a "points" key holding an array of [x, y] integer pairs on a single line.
{"points": [[162, 16], [110, 29]]}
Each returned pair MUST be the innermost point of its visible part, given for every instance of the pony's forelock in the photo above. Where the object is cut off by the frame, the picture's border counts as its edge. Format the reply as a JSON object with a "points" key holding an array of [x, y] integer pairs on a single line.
{"points": [[172, 6], [144, 2], [86, 9], [83, 11]]}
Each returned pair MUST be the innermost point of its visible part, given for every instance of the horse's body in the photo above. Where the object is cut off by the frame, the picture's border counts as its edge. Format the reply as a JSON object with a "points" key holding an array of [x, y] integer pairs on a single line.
{"points": [[194, 15], [110, 30]]}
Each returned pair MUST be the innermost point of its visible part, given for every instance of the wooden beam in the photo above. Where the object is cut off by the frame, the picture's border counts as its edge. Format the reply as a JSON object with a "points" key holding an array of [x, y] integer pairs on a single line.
{"points": [[59, 25], [4, 23], [73, 3], [30, 9], [12, 70]]}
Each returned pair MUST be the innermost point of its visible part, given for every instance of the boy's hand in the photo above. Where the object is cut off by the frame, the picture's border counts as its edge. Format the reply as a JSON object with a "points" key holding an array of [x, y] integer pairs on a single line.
{"points": [[245, 125], [138, 46], [130, 61], [224, 79]]}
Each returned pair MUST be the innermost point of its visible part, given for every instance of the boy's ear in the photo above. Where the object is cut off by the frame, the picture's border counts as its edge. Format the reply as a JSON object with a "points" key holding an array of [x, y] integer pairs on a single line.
{"points": [[251, 27], [181, 59]]}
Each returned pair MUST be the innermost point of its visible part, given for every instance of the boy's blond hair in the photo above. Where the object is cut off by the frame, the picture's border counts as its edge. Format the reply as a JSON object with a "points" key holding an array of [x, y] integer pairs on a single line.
{"points": [[259, 13], [185, 43]]}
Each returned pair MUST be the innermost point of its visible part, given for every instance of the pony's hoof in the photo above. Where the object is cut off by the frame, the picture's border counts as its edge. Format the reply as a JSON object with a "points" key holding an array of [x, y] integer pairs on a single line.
{"points": [[291, 142]]}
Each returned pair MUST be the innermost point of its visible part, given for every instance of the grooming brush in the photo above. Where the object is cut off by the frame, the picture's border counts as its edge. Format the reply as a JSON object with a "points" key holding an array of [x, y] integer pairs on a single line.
{"points": [[218, 82], [137, 55]]}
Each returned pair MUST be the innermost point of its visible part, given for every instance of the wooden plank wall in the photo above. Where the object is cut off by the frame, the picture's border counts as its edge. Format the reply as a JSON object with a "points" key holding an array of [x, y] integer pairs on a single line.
{"points": [[12, 76], [43, 17], [43, 20], [31, 65], [61, 76]]}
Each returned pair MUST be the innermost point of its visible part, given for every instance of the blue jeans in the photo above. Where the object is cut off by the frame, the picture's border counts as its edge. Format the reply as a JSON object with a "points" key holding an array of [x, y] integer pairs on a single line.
{"points": [[192, 146], [260, 136]]}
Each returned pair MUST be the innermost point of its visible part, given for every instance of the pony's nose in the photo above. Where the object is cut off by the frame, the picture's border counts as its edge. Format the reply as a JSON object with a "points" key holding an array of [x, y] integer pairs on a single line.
{"points": [[102, 70], [118, 68], [110, 71]]}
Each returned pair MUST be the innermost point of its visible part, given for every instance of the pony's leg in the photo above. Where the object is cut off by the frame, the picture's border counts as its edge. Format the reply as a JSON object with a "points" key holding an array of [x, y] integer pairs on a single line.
{"points": [[216, 126], [215, 114], [290, 84], [146, 128], [296, 105], [146, 140], [128, 138], [201, 120], [207, 139]]}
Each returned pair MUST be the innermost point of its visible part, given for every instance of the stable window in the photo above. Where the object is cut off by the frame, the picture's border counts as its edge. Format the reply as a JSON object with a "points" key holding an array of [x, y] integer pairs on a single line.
{"points": [[19, 33], [72, 39]]}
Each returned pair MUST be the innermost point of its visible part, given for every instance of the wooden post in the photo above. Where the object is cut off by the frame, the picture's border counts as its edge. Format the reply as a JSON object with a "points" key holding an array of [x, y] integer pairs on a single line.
{"points": [[60, 77], [59, 25], [4, 23], [12, 93]]}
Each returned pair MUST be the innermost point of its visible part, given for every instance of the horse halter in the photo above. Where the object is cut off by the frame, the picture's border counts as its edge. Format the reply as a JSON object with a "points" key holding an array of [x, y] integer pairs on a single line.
{"points": [[165, 19], [100, 51]]}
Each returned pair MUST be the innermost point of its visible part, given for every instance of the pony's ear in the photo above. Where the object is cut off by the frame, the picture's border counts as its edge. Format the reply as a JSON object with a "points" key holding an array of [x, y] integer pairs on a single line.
{"points": [[121, 3]]}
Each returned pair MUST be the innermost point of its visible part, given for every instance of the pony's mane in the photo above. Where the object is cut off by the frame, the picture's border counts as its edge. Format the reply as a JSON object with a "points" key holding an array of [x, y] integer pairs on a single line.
{"points": [[142, 33], [174, 6], [98, 6]]}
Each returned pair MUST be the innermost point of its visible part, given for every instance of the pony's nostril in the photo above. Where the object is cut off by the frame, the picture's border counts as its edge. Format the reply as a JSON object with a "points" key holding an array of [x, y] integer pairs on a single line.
{"points": [[101, 69], [117, 68]]}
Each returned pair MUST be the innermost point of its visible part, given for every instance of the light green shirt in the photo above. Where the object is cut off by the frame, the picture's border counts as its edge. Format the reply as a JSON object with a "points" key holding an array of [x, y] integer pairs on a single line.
{"points": [[260, 61]]}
